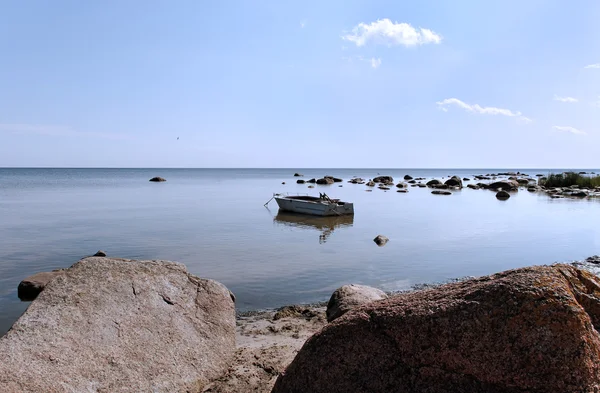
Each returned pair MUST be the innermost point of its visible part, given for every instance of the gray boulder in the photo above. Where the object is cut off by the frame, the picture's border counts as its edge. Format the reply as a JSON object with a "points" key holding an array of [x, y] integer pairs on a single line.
{"points": [[116, 325], [381, 240], [350, 296]]}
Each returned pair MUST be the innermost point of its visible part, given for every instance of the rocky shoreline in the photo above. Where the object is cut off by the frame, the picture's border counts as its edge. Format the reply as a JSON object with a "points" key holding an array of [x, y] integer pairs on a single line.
{"points": [[108, 324]]}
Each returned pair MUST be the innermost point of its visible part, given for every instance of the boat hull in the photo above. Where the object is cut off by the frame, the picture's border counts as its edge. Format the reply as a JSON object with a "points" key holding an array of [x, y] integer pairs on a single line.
{"points": [[315, 208]]}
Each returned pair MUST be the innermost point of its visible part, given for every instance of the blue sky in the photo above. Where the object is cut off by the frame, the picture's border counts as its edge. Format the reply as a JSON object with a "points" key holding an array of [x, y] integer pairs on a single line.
{"points": [[300, 84]]}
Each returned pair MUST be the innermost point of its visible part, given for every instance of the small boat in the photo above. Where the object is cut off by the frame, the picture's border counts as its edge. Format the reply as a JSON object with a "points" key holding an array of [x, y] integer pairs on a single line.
{"points": [[316, 206]]}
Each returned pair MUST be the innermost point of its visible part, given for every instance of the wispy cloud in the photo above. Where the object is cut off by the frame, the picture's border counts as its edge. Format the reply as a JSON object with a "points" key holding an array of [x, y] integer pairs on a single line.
{"points": [[386, 32], [375, 63], [484, 110], [59, 131], [303, 23], [572, 130], [597, 65], [565, 99]]}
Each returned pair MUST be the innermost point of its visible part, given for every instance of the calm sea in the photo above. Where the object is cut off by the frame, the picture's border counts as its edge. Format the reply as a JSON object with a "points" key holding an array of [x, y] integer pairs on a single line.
{"points": [[214, 221]]}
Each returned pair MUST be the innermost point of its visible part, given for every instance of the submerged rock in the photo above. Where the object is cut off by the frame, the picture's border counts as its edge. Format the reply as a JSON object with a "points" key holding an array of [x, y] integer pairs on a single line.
{"points": [[115, 325], [300, 181], [157, 179], [298, 174], [525, 330], [380, 240], [403, 190], [351, 296], [312, 181], [441, 192]]}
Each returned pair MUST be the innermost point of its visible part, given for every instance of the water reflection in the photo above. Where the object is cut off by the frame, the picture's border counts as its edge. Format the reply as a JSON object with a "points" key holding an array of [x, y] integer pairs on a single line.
{"points": [[324, 224]]}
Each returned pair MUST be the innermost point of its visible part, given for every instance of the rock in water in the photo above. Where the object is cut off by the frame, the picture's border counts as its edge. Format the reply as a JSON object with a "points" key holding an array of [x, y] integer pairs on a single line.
{"points": [[526, 330], [300, 181], [158, 179], [351, 296], [298, 174], [115, 325], [30, 287], [454, 181], [433, 182], [381, 240], [502, 195], [441, 192], [383, 179], [506, 185], [325, 180], [408, 177], [100, 253]]}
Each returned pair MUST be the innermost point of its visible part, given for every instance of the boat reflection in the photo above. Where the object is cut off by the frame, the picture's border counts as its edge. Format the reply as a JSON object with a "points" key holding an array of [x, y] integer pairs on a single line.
{"points": [[324, 224]]}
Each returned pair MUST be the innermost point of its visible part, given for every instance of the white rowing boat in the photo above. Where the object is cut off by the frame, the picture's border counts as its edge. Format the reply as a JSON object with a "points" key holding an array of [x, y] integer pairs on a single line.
{"points": [[316, 206]]}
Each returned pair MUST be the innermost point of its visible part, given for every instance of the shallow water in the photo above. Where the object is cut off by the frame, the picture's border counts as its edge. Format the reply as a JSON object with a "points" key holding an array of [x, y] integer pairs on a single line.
{"points": [[213, 220]]}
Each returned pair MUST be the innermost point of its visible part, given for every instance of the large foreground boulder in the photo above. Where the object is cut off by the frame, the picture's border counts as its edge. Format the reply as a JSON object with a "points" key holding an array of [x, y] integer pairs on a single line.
{"points": [[526, 330], [347, 297], [115, 325]]}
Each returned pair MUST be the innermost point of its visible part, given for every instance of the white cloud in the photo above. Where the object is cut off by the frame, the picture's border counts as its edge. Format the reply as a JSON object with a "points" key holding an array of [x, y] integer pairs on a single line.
{"points": [[597, 65], [386, 32], [485, 110], [375, 63], [302, 23], [565, 99], [60, 131], [572, 130]]}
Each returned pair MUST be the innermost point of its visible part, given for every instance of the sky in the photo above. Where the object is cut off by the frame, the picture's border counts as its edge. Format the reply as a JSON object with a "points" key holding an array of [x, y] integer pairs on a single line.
{"points": [[300, 84]]}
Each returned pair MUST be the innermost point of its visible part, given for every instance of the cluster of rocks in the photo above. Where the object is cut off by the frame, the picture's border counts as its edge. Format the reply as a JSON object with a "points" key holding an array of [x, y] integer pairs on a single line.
{"points": [[502, 187], [115, 324]]}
